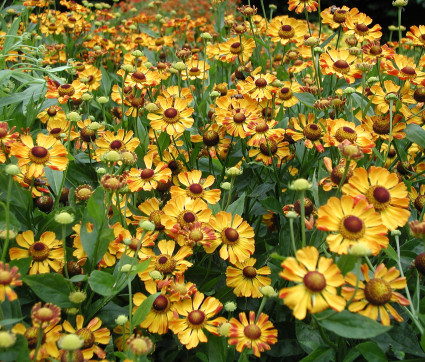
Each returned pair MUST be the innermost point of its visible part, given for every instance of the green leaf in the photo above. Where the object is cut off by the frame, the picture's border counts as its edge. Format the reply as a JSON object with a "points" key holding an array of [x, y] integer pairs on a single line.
{"points": [[102, 282], [416, 134], [391, 252], [22, 264], [272, 204], [51, 287], [350, 325], [236, 208], [78, 278], [328, 40], [371, 352], [308, 337], [143, 310], [163, 141], [324, 354], [346, 263], [54, 178], [306, 98]]}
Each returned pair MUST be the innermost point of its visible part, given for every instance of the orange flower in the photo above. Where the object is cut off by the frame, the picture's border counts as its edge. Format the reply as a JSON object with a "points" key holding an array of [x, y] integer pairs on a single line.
{"points": [[358, 25], [48, 152], [9, 277], [122, 141], [300, 5], [258, 86], [284, 30], [341, 63]]}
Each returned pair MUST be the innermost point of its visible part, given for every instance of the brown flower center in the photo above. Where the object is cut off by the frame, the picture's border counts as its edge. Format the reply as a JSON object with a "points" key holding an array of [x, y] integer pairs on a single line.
{"points": [[161, 303], [315, 281], [66, 90], [165, 264], [346, 133], [171, 115], [196, 189], [239, 118], [379, 197], [87, 336], [249, 272], [116, 145], [338, 172], [196, 317], [189, 217], [261, 83], [261, 128], [378, 291], [146, 174], [419, 204], [340, 16], [381, 125], [312, 132], [375, 50], [252, 331], [155, 217], [286, 31], [194, 71], [341, 66], [352, 227], [52, 112], [39, 155], [409, 72], [362, 29], [236, 48], [39, 251], [5, 277], [138, 77], [230, 235], [264, 148], [87, 134], [211, 138]]}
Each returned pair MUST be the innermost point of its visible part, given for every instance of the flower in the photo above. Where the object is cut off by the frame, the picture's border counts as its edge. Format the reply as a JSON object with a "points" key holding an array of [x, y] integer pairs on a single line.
{"points": [[246, 280], [119, 142], [46, 314], [48, 152], [257, 335], [239, 48], [9, 277], [379, 126], [197, 313], [139, 345], [358, 25], [284, 30], [383, 190], [196, 187], [91, 334], [351, 222], [70, 342], [46, 253], [173, 115], [300, 5], [258, 86], [341, 63], [317, 282], [148, 178], [235, 236], [373, 296]]}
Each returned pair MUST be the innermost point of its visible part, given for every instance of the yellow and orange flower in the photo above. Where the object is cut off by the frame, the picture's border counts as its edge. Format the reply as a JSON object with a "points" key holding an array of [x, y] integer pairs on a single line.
{"points": [[301, 5], [308, 128], [153, 213], [197, 313], [258, 86], [358, 25], [196, 187], [235, 236], [148, 178], [91, 334], [48, 152], [46, 254], [119, 142], [405, 69], [9, 277], [317, 282], [286, 94], [417, 34], [173, 115], [336, 17], [373, 295], [253, 334], [234, 48], [384, 191], [65, 92], [246, 280], [379, 126], [269, 149], [351, 222], [91, 77], [52, 113], [341, 63], [284, 30]]}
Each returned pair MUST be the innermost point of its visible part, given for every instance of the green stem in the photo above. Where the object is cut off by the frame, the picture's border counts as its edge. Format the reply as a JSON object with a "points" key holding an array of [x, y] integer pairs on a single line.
{"points": [[260, 309], [39, 339], [291, 227], [399, 29], [302, 211], [65, 262], [344, 175], [391, 131], [6, 243], [229, 197], [130, 307]]}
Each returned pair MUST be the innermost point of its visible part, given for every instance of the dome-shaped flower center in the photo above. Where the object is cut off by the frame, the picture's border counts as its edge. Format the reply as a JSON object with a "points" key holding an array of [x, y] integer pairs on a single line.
{"points": [[39, 154], [39, 251], [194, 71], [5, 277], [340, 16], [196, 189], [171, 115], [375, 50], [146, 174], [165, 264], [239, 118], [116, 145], [286, 31], [312, 132], [211, 138], [308, 206], [249, 272], [159, 41], [231, 235], [236, 48], [338, 172], [138, 77], [409, 71], [161, 303], [127, 89], [252, 331], [268, 149], [261, 83], [419, 203], [261, 128], [44, 314], [381, 125], [419, 94], [346, 133], [66, 90], [352, 227], [87, 336], [189, 217], [196, 235], [267, 113], [55, 131], [285, 93], [134, 244], [378, 196], [196, 317], [315, 281], [341, 66], [378, 291], [87, 134], [362, 29], [52, 112]]}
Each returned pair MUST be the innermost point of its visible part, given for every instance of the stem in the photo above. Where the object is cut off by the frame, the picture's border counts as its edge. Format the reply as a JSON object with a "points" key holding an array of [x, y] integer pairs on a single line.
{"points": [[391, 131], [399, 29], [291, 227], [40, 337], [229, 197], [302, 211], [263, 303], [130, 308], [6, 243], [344, 176], [65, 263]]}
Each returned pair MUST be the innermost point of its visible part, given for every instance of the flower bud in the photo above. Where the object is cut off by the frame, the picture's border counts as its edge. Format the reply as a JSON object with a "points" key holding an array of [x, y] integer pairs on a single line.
{"points": [[180, 66], [86, 97], [151, 107], [349, 90], [360, 250], [311, 41], [70, 342], [7, 339], [12, 170], [126, 268], [234, 171], [156, 275], [230, 306], [64, 218], [112, 156], [224, 329], [147, 225], [206, 36], [77, 297], [300, 184], [121, 320], [102, 100], [127, 68], [268, 291], [225, 185]]}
